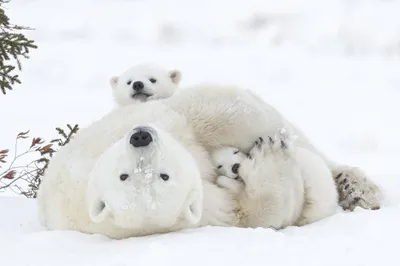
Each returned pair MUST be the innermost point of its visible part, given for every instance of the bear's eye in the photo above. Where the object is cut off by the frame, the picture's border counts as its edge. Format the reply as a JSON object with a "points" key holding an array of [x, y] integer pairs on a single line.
{"points": [[129, 82], [219, 166], [152, 80], [123, 177], [164, 177], [236, 152]]}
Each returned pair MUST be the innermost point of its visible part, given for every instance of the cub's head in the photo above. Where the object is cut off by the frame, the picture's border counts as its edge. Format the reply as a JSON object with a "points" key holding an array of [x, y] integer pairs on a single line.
{"points": [[143, 83], [227, 161], [146, 182]]}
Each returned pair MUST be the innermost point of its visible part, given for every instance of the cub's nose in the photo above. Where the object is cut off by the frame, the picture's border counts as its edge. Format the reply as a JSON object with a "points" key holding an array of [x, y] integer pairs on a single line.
{"points": [[235, 168], [142, 138], [138, 86]]}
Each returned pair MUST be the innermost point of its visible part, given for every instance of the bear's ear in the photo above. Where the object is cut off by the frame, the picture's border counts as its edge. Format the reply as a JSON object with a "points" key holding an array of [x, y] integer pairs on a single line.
{"points": [[175, 76], [98, 210], [114, 82], [194, 207]]}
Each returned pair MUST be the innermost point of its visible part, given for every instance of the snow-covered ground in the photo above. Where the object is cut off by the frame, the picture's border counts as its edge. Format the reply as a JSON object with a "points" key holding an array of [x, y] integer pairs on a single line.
{"points": [[332, 67]]}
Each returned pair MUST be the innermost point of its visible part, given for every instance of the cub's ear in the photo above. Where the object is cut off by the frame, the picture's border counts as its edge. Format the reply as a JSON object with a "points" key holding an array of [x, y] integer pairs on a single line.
{"points": [[114, 82], [175, 76]]}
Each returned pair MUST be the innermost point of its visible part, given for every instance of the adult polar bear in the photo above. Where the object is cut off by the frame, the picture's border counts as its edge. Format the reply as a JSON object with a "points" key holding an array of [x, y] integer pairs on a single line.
{"points": [[146, 82], [195, 121]]}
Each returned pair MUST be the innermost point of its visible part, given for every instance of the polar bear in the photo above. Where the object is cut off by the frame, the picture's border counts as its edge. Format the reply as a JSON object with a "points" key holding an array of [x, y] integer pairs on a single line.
{"points": [[148, 182], [81, 189], [154, 82], [144, 82], [354, 187], [304, 195], [227, 161], [200, 119]]}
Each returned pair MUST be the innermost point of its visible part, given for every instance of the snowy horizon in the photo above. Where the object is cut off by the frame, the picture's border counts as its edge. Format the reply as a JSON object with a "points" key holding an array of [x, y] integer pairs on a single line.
{"points": [[331, 67]]}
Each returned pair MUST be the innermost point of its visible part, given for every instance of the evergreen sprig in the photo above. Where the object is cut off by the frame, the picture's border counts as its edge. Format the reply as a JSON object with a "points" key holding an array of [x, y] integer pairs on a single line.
{"points": [[13, 46]]}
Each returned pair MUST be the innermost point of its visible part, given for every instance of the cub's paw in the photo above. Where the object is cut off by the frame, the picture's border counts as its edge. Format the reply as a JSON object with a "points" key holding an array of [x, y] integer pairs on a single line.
{"points": [[355, 189], [233, 185]]}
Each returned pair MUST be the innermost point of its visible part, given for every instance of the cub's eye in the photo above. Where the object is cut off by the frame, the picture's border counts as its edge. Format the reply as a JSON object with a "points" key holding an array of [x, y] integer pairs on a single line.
{"points": [[129, 82], [219, 166], [164, 177], [152, 80], [236, 152], [123, 177]]}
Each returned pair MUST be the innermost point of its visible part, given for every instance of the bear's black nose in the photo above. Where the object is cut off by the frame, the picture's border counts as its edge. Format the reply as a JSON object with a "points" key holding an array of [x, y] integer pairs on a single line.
{"points": [[142, 138], [235, 168], [138, 86]]}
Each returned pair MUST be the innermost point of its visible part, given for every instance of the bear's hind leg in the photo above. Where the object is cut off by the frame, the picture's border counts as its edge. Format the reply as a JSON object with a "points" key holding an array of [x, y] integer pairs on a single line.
{"points": [[355, 189]]}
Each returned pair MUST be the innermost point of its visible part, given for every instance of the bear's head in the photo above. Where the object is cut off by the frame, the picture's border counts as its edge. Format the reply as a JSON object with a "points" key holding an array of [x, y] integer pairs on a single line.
{"points": [[143, 83], [227, 161], [147, 181]]}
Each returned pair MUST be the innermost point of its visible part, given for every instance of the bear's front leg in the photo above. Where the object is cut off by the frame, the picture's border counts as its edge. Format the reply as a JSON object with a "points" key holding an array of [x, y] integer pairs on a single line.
{"points": [[355, 189], [268, 161], [274, 191]]}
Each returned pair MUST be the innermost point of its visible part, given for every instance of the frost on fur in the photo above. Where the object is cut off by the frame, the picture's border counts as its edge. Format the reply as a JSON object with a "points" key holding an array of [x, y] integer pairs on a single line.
{"points": [[144, 82], [133, 182]]}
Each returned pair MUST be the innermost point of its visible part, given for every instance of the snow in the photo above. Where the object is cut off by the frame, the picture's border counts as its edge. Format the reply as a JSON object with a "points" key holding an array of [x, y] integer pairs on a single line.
{"points": [[359, 238], [330, 66]]}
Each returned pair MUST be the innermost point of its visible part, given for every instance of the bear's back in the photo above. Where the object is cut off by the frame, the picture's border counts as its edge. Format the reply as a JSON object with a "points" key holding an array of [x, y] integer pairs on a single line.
{"points": [[226, 115]]}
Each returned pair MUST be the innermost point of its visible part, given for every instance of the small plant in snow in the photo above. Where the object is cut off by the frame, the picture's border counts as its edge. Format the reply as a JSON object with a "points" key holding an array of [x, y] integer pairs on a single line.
{"points": [[30, 175]]}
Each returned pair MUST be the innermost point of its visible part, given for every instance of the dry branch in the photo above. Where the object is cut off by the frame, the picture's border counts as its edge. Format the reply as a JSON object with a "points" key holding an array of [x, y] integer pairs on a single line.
{"points": [[31, 174]]}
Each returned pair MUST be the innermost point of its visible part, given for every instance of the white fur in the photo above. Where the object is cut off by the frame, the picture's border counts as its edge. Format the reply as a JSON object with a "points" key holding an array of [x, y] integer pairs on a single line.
{"points": [[165, 84], [236, 118], [290, 186], [273, 194], [321, 195], [225, 159], [199, 119], [143, 197], [67, 201]]}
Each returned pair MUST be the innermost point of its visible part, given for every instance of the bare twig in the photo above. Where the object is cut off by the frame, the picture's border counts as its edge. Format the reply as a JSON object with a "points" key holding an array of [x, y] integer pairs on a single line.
{"points": [[32, 173]]}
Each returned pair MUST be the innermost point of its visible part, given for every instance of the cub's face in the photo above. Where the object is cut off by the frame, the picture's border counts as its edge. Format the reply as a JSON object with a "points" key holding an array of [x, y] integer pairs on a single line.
{"points": [[227, 161], [146, 180], [143, 83]]}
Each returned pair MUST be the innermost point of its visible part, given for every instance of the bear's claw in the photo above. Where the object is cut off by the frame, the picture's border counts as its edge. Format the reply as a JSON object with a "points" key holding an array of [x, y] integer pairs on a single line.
{"points": [[274, 144], [259, 142]]}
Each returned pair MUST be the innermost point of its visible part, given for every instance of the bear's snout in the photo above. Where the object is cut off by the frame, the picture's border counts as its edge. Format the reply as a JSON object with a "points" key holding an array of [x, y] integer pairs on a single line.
{"points": [[138, 86], [141, 138], [235, 168]]}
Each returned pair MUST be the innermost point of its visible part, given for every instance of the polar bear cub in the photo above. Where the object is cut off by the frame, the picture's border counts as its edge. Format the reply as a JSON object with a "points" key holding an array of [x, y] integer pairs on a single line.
{"points": [[144, 82], [281, 184]]}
